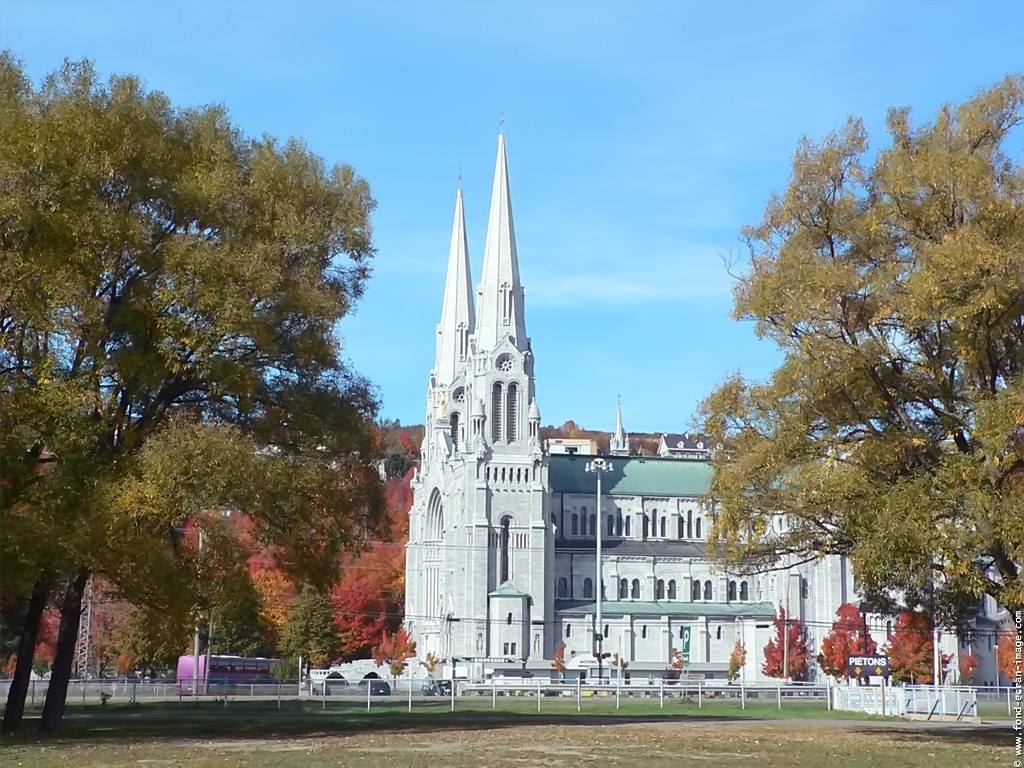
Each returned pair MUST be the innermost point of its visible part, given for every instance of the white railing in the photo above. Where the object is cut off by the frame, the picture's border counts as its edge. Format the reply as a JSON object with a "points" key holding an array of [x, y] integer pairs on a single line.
{"points": [[919, 701], [927, 701], [941, 703]]}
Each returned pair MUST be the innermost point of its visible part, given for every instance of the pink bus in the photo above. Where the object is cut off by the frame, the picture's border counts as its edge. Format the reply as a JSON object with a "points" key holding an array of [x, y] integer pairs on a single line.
{"points": [[229, 670]]}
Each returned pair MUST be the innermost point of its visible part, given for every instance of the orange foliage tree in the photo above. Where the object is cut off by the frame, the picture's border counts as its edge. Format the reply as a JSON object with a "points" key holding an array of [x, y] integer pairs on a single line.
{"points": [[795, 657], [1006, 654], [558, 662], [910, 649], [430, 663], [369, 601], [394, 651], [275, 592], [737, 660], [847, 638], [677, 659], [968, 667]]}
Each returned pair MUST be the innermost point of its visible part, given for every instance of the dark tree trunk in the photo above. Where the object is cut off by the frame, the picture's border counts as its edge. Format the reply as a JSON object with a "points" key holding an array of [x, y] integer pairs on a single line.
{"points": [[16, 694], [64, 656]]}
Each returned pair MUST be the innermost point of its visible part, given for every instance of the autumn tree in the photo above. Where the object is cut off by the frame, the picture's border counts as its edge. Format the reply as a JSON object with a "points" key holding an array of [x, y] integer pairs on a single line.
{"points": [[430, 663], [558, 661], [676, 660], [108, 614], [170, 294], [911, 649], [149, 640], [737, 660], [394, 651], [676, 665], [1006, 654], [968, 668], [370, 598], [619, 662], [309, 631], [892, 282], [784, 659], [847, 638], [275, 593]]}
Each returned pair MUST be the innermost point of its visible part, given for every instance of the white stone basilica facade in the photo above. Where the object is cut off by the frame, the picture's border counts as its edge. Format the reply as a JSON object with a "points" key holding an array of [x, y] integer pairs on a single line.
{"points": [[501, 556]]}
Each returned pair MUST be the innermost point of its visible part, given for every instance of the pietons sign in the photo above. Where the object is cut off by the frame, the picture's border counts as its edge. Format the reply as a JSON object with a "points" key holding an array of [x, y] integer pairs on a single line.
{"points": [[867, 666]]}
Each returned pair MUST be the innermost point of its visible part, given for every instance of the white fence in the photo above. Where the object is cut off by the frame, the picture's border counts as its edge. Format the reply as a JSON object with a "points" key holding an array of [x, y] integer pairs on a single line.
{"points": [[868, 699], [944, 703], [917, 701]]}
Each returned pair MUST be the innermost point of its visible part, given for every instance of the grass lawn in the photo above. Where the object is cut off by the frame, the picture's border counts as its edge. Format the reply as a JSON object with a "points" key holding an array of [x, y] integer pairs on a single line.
{"points": [[642, 734]]}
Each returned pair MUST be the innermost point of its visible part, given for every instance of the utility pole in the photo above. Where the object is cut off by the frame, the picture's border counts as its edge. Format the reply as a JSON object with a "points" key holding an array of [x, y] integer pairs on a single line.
{"points": [[599, 466], [195, 648], [785, 629]]}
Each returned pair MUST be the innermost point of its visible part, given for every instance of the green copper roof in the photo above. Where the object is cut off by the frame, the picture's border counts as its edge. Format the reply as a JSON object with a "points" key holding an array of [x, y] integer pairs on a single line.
{"points": [[638, 607], [630, 476], [507, 590]]}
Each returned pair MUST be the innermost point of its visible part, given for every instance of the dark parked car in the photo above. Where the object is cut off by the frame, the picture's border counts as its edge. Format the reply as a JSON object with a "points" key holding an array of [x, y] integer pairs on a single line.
{"points": [[377, 687]]}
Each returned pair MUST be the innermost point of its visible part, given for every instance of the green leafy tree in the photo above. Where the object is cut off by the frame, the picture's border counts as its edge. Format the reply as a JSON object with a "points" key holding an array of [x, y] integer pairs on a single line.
{"points": [[170, 291], [309, 630], [893, 284], [150, 641], [238, 627]]}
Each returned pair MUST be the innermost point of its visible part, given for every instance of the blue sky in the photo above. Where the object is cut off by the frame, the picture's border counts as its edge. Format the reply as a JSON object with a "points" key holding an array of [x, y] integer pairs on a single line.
{"points": [[641, 137]]}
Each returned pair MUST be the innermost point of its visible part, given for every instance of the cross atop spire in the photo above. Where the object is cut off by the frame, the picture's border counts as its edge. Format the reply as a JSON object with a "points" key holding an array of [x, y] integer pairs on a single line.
{"points": [[500, 307]]}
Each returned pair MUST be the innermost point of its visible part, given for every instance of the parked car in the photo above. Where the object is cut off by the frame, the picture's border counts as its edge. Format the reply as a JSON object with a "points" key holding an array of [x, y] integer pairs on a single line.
{"points": [[333, 682], [437, 688], [377, 687]]}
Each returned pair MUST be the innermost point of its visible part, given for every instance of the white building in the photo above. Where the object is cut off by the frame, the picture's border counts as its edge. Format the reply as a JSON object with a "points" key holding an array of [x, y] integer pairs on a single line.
{"points": [[501, 557]]}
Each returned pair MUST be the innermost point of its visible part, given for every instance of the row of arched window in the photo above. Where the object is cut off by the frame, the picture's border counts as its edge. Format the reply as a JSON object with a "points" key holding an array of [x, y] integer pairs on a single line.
{"points": [[653, 526], [663, 590]]}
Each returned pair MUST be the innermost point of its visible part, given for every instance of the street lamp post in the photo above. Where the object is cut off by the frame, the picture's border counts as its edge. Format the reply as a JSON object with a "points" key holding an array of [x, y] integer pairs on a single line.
{"points": [[599, 466]]}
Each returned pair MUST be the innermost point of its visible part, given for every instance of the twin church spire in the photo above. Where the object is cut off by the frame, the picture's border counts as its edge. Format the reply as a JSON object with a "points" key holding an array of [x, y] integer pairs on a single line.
{"points": [[501, 294], [457, 315], [499, 312]]}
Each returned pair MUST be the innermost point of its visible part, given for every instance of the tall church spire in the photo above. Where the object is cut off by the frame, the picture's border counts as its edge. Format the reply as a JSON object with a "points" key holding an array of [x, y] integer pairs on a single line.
{"points": [[457, 309], [500, 308], [620, 440]]}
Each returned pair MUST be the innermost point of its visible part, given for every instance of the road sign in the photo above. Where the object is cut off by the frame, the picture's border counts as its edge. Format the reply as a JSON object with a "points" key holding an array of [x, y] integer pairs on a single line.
{"points": [[858, 667], [686, 645]]}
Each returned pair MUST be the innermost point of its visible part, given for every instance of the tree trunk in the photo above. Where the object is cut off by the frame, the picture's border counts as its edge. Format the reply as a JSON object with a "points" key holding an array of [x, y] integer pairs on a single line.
{"points": [[16, 694], [64, 657]]}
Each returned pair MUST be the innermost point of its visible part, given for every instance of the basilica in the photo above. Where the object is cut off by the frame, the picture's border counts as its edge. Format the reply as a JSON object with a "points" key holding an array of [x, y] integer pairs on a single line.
{"points": [[512, 549]]}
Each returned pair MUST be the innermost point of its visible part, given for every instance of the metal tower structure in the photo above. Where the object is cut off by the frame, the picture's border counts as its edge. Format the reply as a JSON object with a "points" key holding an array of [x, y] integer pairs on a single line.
{"points": [[84, 634]]}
